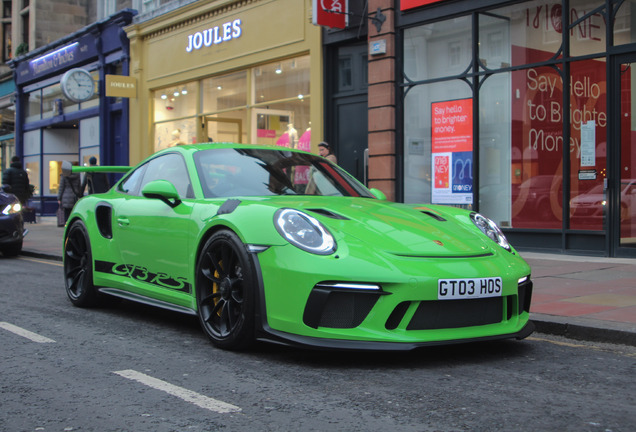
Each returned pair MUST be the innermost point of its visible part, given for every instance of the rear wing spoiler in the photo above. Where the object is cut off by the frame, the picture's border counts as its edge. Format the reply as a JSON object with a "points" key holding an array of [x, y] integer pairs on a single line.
{"points": [[68, 169]]}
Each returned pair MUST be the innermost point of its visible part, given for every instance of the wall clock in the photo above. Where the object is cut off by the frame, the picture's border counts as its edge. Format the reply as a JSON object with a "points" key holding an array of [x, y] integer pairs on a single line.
{"points": [[78, 85]]}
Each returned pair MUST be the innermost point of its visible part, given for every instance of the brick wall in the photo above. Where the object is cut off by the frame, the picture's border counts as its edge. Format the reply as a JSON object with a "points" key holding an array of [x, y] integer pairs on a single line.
{"points": [[58, 18], [382, 158]]}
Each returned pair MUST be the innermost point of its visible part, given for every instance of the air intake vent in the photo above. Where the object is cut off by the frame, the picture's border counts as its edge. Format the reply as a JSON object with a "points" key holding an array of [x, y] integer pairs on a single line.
{"points": [[434, 216], [328, 213]]}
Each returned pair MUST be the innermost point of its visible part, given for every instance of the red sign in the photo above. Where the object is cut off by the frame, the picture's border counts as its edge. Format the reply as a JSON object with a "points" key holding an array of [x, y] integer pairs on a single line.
{"points": [[452, 126], [410, 4], [331, 13]]}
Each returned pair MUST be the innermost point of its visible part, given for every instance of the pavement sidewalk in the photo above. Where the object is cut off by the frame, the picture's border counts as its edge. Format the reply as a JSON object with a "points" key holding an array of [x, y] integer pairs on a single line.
{"points": [[580, 297]]}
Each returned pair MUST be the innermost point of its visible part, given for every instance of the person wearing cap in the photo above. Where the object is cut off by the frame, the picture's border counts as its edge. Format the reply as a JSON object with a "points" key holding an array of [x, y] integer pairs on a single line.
{"points": [[96, 182], [324, 150]]}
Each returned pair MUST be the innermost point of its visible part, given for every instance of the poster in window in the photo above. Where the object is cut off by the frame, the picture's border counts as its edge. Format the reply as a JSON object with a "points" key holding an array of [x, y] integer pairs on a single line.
{"points": [[452, 151]]}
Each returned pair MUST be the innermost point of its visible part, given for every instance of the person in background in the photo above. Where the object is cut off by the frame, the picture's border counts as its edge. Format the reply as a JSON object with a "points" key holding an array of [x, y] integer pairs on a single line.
{"points": [[69, 192], [96, 182], [324, 150], [16, 177]]}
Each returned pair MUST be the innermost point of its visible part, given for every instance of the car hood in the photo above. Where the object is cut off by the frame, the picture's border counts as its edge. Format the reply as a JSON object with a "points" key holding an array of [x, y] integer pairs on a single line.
{"points": [[398, 229]]}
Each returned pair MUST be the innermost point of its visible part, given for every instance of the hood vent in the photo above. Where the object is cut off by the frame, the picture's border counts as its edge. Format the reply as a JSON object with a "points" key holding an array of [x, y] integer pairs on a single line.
{"points": [[434, 215], [328, 213]]}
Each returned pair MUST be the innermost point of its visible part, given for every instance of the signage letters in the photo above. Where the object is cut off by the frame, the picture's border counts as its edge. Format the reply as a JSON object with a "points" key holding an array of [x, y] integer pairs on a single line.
{"points": [[215, 35]]}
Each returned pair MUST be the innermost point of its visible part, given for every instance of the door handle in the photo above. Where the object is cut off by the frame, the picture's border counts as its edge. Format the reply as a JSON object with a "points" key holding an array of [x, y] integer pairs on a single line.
{"points": [[123, 221]]}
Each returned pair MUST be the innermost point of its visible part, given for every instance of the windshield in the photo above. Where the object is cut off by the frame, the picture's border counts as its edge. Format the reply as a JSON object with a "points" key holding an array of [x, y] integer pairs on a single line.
{"points": [[265, 172]]}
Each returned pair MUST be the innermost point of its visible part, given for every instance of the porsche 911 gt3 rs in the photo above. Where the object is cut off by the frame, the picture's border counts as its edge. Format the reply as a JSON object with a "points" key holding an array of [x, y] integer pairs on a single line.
{"points": [[269, 243]]}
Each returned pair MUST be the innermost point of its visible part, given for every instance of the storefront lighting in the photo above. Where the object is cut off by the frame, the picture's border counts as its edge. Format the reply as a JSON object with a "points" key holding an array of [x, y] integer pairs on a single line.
{"points": [[184, 91], [164, 96], [301, 97], [176, 93], [219, 87], [279, 70]]}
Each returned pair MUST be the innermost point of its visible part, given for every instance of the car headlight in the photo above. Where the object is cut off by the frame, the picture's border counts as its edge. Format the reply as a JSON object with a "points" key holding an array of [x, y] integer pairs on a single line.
{"points": [[491, 230], [304, 232], [11, 208]]}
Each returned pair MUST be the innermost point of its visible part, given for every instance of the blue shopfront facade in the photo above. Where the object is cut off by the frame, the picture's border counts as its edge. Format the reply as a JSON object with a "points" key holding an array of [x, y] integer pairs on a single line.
{"points": [[50, 127]]}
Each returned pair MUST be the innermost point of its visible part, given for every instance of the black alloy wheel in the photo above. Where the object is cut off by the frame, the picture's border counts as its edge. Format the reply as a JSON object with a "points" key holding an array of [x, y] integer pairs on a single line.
{"points": [[225, 291], [78, 267]]}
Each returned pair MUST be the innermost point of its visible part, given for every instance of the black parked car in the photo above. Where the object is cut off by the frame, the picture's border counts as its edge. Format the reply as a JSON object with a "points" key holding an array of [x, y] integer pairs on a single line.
{"points": [[11, 223]]}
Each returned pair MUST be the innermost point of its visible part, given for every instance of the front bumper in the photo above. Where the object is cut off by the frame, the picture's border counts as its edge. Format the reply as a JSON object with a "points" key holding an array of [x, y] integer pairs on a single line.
{"points": [[11, 228], [404, 314]]}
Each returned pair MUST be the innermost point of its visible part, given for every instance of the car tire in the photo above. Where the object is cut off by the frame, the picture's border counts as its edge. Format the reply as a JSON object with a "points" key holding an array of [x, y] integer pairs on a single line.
{"points": [[12, 249], [78, 267], [225, 291]]}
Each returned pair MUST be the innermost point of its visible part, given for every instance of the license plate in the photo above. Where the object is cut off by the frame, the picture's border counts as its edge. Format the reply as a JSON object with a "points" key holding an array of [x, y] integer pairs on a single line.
{"points": [[453, 289]]}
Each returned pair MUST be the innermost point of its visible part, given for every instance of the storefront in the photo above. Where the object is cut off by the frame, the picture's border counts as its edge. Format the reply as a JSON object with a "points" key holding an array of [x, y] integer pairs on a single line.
{"points": [[7, 121], [56, 120], [523, 111], [247, 72]]}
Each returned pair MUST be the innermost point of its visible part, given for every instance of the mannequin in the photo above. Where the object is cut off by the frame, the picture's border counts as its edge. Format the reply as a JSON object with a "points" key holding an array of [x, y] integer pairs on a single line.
{"points": [[293, 136], [176, 138]]}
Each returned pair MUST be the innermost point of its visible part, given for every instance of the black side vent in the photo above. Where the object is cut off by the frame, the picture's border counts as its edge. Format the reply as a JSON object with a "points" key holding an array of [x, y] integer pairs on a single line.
{"points": [[434, 215], [328, 213], [103, 215]]}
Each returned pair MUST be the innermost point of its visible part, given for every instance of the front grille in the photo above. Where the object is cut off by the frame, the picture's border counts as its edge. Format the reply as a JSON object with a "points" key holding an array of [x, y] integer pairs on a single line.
{"points": [[445, 314], [338, 309]]}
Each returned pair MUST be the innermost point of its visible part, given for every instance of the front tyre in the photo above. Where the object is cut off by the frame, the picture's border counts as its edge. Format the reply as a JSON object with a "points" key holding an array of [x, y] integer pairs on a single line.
{"points": [[225, 291], [78, 267]]}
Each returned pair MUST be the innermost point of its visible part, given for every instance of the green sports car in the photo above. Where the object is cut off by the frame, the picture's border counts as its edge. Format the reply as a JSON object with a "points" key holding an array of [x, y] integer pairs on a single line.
{"points": [[268, 243]]}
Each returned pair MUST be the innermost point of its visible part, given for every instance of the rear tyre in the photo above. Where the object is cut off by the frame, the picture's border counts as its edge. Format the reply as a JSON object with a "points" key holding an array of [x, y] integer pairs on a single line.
{"points": [[225, 291], [78, 267]]}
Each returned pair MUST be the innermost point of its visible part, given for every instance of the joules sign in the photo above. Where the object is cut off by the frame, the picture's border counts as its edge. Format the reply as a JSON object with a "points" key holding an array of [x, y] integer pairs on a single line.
{"points": [[214, 35]]}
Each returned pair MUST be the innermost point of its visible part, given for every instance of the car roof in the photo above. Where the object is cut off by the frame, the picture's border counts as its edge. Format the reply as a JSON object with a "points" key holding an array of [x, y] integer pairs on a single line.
{"points": [[190, 148]]}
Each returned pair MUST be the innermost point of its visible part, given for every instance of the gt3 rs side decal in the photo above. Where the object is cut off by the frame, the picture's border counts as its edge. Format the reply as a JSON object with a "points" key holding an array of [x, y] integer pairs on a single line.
{"points": [[142, 274]]}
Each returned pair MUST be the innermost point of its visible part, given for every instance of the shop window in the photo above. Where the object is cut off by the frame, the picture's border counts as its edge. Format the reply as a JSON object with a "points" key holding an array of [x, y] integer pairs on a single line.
{"points": [[588, 35], [429, 167], [286, 124], [229, 126], [7, 119], [588, 144], [521, 34], [32, 167], [623, 31], [176, 101], [225, 92], [34, 106], [172, 133], [536, 148], [443, 40], [494, 149], [284, 79], [277, 108], [54, 103]]}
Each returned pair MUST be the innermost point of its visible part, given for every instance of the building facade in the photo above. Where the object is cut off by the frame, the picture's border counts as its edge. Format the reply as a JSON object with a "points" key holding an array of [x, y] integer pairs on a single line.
{"points": [[51, 125], [248, 72], [518, 110]]}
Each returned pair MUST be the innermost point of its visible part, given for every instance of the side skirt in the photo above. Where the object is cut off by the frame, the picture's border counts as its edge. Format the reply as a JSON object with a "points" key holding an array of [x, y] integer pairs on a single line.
{"points": [[147, 300]]}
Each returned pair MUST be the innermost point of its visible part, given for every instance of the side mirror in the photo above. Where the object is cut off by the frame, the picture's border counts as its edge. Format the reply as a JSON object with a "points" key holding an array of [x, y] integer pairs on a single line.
{"points": [[162, 190], [378, 194]]}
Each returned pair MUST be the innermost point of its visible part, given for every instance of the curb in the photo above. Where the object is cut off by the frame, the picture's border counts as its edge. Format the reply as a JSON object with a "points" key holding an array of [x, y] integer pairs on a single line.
{"points": [[585, 329], [41, 255]]}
